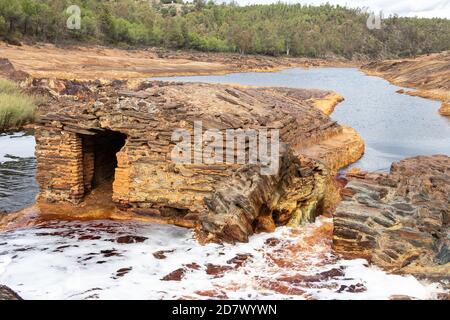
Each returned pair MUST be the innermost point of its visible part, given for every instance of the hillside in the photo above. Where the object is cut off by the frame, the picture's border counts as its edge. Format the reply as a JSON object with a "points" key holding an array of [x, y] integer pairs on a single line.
{"points": [[277, 29]]}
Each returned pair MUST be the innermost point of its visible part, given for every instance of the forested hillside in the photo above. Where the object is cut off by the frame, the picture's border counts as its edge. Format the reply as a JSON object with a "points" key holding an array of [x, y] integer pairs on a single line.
{"points": [[277, 29]]}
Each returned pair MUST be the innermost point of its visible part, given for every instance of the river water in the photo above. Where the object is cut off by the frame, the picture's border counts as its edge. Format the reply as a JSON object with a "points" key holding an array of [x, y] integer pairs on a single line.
{"points": [[394, 126], [123, 260], [18, 186]]}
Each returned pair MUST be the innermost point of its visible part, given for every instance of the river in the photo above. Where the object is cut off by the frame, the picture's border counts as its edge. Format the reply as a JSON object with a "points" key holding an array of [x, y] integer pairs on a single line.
{"points": [[18, 186], [394, 126], [123, 260]]}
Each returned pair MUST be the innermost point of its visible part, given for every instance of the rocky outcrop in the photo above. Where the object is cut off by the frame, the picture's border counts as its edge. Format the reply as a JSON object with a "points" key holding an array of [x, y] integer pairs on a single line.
{"points": [[96, 133], [429, 74], [445, 109], [336, 151], [400, 220], [8, 294], [328, 103], [338, 148], [8, 71]]}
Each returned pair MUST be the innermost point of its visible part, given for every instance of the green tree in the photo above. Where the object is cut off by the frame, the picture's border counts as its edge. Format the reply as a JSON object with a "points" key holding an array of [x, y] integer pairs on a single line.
{"points": [[275, 29], [12, 13]]}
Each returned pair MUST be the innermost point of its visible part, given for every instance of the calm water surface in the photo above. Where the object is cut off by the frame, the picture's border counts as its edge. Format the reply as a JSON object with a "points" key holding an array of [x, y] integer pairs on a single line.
{"points": [[394, 126]]}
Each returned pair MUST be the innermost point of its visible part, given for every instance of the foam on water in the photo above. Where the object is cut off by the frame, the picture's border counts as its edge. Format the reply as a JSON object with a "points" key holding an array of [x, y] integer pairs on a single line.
{"points": [[108, 260]]}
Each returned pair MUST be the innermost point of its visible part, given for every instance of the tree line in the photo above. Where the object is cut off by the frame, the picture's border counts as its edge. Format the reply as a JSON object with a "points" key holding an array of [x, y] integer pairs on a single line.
{"points": [[275, 29]]}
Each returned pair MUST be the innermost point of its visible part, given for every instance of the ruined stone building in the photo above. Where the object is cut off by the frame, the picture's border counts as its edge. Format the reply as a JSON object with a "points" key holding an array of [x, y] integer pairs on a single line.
{"points": [[105, 136]]}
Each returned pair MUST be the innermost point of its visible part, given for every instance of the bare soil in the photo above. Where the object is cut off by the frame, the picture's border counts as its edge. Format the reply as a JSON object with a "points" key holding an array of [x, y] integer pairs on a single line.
{"points": [[96, 62]]}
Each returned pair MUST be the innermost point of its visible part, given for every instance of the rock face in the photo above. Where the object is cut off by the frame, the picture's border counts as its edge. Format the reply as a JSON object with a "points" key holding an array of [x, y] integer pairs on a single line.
{"points": [[107, 134], [399, 221], [7, 294], [338, 150], [7, 70]]}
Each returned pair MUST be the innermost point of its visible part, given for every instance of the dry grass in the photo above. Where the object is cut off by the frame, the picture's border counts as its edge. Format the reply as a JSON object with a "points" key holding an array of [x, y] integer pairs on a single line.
{"points": [[16, 107], [9, 87]]}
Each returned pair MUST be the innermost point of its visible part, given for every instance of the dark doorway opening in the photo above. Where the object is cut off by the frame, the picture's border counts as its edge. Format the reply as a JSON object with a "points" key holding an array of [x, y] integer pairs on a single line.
{"points": [[100, 160]]}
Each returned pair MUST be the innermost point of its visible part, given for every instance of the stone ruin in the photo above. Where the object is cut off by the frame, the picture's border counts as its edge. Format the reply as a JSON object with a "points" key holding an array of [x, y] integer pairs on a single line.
{"points": [[94, 135]]}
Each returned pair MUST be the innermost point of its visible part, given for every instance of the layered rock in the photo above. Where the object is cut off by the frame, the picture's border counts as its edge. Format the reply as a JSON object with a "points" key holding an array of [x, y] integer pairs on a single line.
{"points": [[339, 148], [336, 151], [328, 103], [108, 130], [445, 109], [8, 294], [399, 221]]}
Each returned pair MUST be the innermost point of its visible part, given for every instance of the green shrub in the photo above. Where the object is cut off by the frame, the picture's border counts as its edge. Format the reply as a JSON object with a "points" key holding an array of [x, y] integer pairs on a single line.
{"points": [[206, 43], [3, 26]]}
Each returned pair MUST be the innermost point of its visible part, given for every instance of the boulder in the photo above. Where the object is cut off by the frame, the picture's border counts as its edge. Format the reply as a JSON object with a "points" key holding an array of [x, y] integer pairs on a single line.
{"points": [[445, 109], [398, 220], [8, 71]]}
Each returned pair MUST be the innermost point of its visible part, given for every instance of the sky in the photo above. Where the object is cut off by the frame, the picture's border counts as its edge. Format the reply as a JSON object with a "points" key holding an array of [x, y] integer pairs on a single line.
{"points": [[407, 8]]}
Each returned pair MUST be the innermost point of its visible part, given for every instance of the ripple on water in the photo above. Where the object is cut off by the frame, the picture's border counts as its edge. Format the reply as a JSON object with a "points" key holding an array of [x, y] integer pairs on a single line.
{"points": [[18, 187]]}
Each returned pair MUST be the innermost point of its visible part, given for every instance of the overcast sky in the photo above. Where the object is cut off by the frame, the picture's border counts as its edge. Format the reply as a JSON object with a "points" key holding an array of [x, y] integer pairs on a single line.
{"points": [[411, 8]]}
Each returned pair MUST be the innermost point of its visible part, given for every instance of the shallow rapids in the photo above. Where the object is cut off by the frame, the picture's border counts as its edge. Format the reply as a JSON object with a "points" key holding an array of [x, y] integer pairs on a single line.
{"points": [[126, 260]]}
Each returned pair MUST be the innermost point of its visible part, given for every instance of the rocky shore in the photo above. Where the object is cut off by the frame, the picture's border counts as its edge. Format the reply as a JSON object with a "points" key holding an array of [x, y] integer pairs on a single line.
{"points": [[79, 115], [428, 74], [398, 220]]}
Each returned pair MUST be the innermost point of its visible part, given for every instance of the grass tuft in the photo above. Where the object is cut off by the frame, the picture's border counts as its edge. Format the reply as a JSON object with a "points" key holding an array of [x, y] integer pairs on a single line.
{"points": [[16, 107], [9, 87]]}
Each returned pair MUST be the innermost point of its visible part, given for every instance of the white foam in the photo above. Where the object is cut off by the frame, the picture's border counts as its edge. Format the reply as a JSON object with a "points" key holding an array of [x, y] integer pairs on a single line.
{"points": [[54, 263], [16, 145]]}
